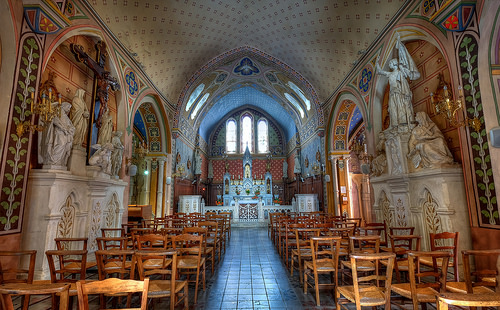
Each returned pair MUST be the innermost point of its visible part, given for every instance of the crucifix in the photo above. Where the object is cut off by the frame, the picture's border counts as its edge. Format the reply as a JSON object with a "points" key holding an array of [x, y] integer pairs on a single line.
{"points": [[104, 79]]}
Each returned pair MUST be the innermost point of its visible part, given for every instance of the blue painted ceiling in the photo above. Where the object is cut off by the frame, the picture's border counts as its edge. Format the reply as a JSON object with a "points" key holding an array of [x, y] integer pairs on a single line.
{"points": [[139, 125], [356, 119], [247, 96]]}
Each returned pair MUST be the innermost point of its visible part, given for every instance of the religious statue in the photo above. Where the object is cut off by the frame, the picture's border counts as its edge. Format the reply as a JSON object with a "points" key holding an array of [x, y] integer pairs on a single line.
{"points": [[102, 157], [296, 168], [106, 129], [397, 165], [197, 162], [117, 154], [285, 169], [210, 170], [427, 145], [247, 171], [379, 163], [54, 143], [400, 96], [79, 116]]}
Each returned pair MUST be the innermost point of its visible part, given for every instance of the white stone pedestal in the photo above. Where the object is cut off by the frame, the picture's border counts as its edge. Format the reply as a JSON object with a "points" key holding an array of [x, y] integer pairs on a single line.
{"points": [[76, 161], [307, 202], [189, 203], [431, 200], [61, 204]]}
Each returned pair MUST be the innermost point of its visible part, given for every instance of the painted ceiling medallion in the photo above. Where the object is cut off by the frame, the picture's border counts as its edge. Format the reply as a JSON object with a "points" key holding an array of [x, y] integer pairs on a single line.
{"points": [[246, 67], [455, 15]]}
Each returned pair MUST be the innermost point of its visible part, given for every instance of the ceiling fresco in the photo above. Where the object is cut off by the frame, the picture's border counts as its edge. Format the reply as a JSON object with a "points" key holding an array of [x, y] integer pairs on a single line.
{"points": [[318, 39]]}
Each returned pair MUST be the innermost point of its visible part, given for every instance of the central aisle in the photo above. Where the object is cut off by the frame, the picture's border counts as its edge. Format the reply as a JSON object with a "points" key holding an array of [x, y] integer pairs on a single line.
{"points": [[250, 276]]}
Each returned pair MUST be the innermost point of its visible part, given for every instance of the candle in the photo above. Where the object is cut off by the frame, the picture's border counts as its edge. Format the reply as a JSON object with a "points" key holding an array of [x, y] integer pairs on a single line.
{"points": [[366, 149]]}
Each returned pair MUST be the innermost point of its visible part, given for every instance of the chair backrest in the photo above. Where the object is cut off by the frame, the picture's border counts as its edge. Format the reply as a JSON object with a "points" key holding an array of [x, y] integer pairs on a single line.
{"points": [[378, 229], [364, 244], [152, 242], [481, 277], [16, 274], [445, 241], [112, 232], [405, 243], [435, 277], [360, 282], [325, 248], [114, 262], [71, 243], [188, 245], [112, 243], [70, 262], [34, 289], [160, 263], [303, 235], [111, 286], [400, 231]]}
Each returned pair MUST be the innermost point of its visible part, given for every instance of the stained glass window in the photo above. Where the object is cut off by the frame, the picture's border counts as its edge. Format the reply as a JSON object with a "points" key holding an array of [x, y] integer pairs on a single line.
{"points": [[246, 134], [262, 136], [231, 136]]}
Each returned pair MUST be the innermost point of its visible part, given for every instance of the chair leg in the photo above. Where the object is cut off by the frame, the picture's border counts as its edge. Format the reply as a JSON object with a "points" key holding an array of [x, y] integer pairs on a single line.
{"points": [[316, 287]]}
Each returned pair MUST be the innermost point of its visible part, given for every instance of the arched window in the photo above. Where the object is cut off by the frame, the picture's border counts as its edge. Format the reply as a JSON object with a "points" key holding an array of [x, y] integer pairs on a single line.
{"points": [[262, 136], [231, 136], [246, 134]]}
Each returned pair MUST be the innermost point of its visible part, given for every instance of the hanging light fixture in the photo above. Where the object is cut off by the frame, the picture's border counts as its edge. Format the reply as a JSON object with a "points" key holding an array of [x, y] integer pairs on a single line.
{"points": [[45, 108], [445, 106]]}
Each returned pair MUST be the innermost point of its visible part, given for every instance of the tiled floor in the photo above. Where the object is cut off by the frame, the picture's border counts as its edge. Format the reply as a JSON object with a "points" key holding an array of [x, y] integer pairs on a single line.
{"points": [[253, 276]]}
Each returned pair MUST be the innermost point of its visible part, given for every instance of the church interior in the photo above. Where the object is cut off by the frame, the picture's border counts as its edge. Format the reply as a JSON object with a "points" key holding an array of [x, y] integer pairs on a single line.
{"points": [[383, 111]]}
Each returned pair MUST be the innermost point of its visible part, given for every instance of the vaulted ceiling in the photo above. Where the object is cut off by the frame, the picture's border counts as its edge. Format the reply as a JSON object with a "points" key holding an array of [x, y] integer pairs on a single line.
{"points": [[320, 39]]}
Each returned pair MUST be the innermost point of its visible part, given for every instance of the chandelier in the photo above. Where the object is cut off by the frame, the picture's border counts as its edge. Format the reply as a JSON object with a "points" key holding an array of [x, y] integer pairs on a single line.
{"points": [[45, 108], [445, 106]]}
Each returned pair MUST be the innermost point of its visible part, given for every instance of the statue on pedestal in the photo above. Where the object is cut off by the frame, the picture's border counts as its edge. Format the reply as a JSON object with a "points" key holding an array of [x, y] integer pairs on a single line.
{"points": [[79, 117], [379, 163], [117, 153], [54, 143], [106, 129], [297, 168], [197, 162], [400, 97], [102, 157], [427, 145]]}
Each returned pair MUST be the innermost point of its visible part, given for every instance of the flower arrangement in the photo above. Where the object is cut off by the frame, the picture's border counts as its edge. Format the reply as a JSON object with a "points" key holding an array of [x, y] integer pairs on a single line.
{"points": [[237, 191], [257, 193], [277, 201], [219, 202], [247, 191]]}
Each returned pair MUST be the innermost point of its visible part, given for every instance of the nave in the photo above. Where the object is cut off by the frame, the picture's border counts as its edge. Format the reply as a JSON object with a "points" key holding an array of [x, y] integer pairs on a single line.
{"points": [[251, 275]]}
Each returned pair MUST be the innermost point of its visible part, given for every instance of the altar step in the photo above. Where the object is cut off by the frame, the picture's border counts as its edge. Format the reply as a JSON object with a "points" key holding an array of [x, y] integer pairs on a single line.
{"points": [[249, 224]]}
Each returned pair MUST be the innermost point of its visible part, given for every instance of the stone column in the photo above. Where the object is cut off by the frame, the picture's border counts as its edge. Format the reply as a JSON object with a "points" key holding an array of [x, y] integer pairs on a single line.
{"points": [[144, 194], [333, 160], [159, 191]]}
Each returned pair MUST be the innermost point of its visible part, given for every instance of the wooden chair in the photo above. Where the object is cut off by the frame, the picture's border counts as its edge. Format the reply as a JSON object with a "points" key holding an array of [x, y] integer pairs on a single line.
{"points": [[112, 286], [324, 260], [208, 252], [189, 263], [63, 244], [26, 289], [228, 216], [212, 239], [366, 290], [401, 246], [18, 274], [377, 229], [168, 285], [114, 263], [58, 272], [302, 251], [291, 240], [361, 245], [468, 300], [478, 281], [419, 291], [445, 241]]}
